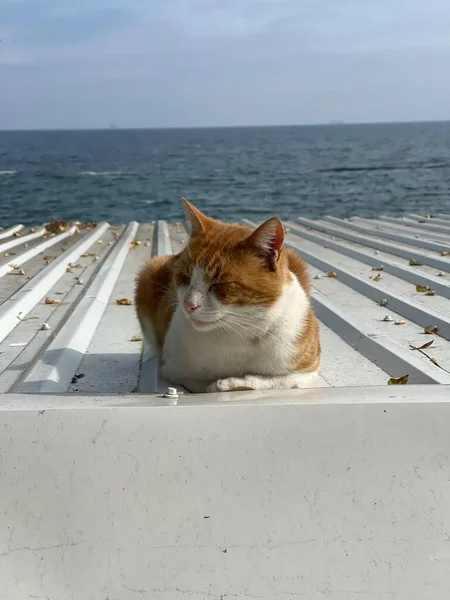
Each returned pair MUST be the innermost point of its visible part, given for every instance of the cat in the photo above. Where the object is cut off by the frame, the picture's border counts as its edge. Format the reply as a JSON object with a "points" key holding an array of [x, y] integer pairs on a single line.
{"points": [[231, 310]]}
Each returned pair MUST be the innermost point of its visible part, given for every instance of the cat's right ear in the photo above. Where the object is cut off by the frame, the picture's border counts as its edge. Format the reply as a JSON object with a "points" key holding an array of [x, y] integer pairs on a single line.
{"points": [[198, 221]]}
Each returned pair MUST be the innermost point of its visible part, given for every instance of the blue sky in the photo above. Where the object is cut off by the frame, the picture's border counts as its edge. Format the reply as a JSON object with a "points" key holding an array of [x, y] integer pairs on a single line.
{"points": [[169, 63]]}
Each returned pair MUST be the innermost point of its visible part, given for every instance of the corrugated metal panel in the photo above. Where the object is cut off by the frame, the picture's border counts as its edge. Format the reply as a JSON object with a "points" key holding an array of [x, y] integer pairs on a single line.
{"points": [[88, 346]]}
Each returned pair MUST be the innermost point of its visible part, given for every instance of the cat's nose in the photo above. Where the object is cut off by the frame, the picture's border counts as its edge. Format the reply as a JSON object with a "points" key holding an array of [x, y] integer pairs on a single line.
{"points": [[191, 305]]}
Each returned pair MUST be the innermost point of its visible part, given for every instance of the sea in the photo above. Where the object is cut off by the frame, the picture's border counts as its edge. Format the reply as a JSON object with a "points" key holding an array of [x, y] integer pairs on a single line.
{"points": [[230, 173]]}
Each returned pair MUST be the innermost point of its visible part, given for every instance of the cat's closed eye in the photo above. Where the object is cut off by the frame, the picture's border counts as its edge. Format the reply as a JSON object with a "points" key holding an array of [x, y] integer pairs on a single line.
{"points": [[183, 279], [225, 284]]}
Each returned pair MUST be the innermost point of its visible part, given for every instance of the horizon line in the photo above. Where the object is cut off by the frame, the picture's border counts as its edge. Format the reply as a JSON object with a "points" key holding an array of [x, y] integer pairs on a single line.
{"points": [[331, 123]]}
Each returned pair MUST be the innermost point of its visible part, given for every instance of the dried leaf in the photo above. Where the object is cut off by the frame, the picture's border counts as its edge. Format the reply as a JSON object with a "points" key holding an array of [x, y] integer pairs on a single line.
{"points": [[423, 346], [135, 243], [57, 226], [13, 266], [47, 257], [380, 268], [124, 302], [21, 272], [400, 322], [85, 254], [68, 270], [430, 293], [16, 234], [414, 263], [383, 302], [6, 254], [99, 241], [445, 253], [430, 329], [136, 338], [376, 277], [52, 301], [75, 266], [422, 288], [398, 380], [331, 274]]}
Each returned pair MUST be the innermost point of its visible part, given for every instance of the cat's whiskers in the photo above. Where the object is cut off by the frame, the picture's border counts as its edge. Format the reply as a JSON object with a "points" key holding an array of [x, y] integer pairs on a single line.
{"points": [[227, 327], [264, 337]]}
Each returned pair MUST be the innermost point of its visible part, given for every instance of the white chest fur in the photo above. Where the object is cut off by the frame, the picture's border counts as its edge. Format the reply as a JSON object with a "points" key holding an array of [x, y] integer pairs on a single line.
{"points": [[263, 343]]}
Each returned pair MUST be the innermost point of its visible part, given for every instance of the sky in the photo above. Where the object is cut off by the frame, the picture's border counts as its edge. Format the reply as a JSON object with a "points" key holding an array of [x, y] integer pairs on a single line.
{"points": [[195, 63]]}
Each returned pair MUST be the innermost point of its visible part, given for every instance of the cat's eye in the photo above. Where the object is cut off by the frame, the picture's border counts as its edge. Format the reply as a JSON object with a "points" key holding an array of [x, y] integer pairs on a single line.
{"points": [[184, 279], [219, 284]]}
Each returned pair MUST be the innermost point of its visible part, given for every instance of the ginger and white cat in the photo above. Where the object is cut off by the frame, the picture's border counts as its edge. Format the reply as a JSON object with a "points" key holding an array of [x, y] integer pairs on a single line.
{"points": [[231, 310]]}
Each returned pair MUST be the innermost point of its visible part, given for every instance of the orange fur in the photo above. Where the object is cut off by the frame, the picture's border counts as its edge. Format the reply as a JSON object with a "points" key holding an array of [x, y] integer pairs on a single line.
{"points": [[241, 274]]}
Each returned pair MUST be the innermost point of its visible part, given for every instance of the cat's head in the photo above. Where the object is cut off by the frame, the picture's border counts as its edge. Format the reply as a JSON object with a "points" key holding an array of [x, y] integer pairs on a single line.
{"points": [[228, 275]]}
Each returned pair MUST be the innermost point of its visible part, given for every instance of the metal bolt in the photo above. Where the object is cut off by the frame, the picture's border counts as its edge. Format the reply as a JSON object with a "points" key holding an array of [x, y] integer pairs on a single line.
{"points": [[171, 393], [388, 318], [45, 326]]}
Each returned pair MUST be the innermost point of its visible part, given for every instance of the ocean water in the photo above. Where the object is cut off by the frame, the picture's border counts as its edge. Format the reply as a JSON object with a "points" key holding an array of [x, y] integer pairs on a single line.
{"points": [[230, 173]]}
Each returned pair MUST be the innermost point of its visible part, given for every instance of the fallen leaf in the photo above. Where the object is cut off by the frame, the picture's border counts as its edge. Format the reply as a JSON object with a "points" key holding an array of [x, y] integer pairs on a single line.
{"points": [[68, 269], [422, 288], [376, 277], [75, 266], [6, 254], [16, 234], [430, 293], [383, 302], [414, 263], [47, 257], [445, 253], [135, 243], [57, 226], [99, 241], [423, 346], [331, 274], [400, 322], [431, 329], [398, 380], [13, 266], [124, 302], [85, 254], [52, 301], [136, 338]]}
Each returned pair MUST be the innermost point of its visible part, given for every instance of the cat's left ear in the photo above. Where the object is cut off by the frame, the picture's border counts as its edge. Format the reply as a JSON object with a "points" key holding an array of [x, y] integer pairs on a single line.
{"points": [[197, 220], [268, 239]]}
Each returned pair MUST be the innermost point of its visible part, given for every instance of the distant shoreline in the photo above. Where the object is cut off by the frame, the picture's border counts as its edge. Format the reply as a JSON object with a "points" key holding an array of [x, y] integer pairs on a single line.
{"points": [[333, 123]]}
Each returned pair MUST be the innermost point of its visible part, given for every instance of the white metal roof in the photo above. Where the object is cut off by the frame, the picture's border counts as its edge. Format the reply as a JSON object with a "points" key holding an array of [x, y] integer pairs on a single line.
{"points": [[338, 492], [90, 334]]}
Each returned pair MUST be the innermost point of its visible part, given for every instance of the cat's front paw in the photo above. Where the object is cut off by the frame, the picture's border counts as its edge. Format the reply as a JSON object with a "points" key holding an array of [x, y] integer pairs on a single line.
{"points": [[230, 384]]}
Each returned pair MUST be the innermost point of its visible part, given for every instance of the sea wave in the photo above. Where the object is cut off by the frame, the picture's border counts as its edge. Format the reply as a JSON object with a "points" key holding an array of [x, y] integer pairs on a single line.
{"points": [[7, 173], [385, 168], [103, 173]]}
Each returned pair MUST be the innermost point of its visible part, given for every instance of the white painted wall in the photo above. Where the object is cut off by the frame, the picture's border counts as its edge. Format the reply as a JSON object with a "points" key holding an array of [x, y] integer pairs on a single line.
{"points": [[316, 501]]}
